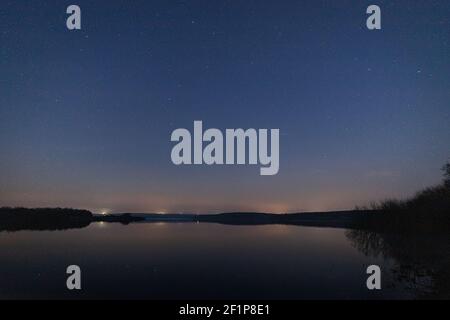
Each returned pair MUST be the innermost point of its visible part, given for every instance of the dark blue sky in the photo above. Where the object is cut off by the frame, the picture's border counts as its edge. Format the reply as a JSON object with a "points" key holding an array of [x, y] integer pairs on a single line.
{"points": [[86, 116]]}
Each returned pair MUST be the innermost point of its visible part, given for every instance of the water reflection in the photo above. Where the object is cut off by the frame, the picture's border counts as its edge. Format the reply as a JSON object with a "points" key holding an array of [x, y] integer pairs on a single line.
{"points": [[422, 261], [196, 261]]}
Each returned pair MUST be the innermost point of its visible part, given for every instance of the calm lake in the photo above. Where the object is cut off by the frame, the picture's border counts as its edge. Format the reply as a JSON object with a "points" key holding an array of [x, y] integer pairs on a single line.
{"points": [[192, 261]]}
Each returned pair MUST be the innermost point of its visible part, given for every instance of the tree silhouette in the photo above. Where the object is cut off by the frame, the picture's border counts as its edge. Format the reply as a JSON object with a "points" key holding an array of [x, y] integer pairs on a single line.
{"points": [[446, 169]]}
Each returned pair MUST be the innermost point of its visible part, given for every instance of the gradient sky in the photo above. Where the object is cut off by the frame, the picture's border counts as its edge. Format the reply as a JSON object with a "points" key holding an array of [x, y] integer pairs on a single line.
{"points": [[86, 116]]}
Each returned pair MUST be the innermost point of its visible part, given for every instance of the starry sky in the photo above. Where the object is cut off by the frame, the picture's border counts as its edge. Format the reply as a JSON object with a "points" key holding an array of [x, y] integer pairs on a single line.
{"points": [[86, 116]]}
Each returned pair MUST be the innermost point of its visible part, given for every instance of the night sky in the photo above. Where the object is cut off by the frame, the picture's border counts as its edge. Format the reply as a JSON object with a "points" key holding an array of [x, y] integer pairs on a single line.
{"points": [[86, 116]]}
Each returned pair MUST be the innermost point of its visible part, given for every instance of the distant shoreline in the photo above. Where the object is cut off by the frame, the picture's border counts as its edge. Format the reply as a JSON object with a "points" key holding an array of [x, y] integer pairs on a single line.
{"points": [[16, 219], [336, 219], [385, 221]]}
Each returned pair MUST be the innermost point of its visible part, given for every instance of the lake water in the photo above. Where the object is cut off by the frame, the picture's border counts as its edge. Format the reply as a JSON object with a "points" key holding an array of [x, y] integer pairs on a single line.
{"points": [[190, 261]]}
